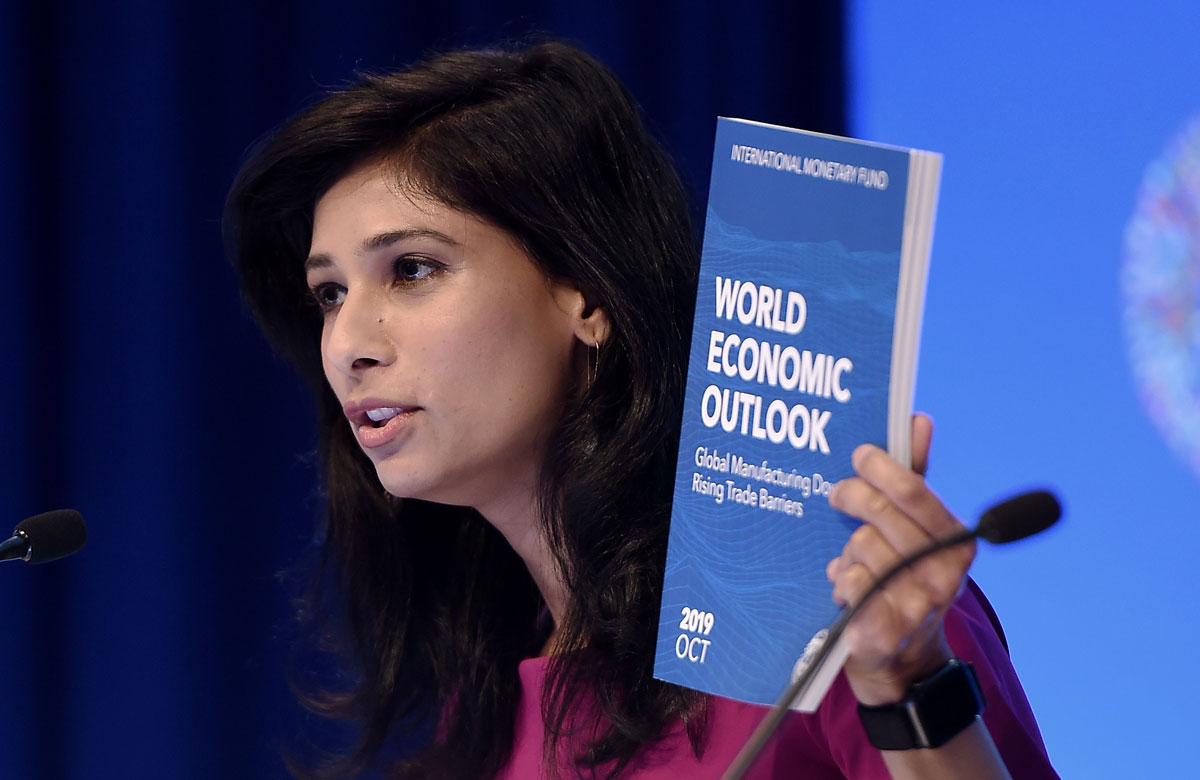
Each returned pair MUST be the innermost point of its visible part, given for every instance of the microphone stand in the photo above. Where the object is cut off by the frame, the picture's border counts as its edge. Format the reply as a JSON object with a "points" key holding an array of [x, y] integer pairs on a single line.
{"points": [[758, 739], [16, 546]]}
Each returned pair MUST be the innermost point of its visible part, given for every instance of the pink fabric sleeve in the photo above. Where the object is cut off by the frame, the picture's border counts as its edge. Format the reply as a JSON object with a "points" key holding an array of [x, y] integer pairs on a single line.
{"points": [[974, 636], [828, 745]]}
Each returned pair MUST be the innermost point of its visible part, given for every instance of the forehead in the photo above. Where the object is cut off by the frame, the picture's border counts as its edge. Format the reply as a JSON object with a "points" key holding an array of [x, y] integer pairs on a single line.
{"points": [[373, 208], [373, 197]]}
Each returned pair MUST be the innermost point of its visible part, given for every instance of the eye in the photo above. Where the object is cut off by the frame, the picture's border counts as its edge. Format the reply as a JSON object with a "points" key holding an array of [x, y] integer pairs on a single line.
{"points": [[328, 295], [410, 269]]}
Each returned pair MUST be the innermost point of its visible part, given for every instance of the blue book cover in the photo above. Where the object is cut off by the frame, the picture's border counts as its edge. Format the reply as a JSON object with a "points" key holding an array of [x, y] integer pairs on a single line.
{"points": [[804, 345]]}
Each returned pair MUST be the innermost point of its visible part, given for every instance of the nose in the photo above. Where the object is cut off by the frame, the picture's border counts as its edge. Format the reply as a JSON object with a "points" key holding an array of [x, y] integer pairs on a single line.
{"points": [[356, 336]]}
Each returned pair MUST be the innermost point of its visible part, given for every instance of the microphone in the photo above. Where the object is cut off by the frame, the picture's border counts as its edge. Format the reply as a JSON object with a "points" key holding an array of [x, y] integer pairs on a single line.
{"points": [[45, 537], [1016, 518]]}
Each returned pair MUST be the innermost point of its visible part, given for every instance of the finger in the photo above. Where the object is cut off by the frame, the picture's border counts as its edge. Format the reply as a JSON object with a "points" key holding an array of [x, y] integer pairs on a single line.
{"points": [[833, 568], [859, 498], [922, 437], [868, 547], [902, 614], [929, 585], [904, 488], [869, 550], [939, 575], [932, 584], [851, 582]]}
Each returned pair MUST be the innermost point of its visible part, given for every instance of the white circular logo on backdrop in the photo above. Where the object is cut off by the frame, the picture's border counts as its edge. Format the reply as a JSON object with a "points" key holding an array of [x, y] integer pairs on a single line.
{"points": [[1160, 286]]}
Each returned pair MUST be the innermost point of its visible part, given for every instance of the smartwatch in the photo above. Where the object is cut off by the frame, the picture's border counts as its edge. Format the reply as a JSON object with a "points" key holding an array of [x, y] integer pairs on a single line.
{"points": [[935, 710]]}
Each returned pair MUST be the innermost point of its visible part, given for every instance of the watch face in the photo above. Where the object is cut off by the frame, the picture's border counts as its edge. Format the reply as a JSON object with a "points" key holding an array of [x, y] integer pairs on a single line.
{"points": [[936, 710]]}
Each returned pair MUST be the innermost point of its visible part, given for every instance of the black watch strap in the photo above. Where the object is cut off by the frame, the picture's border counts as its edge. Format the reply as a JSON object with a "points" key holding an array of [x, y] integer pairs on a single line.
{"points": [[935, 710]]}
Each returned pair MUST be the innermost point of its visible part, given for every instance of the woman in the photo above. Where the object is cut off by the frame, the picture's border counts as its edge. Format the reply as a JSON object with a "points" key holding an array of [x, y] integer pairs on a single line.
{"points": [[484, 267]]}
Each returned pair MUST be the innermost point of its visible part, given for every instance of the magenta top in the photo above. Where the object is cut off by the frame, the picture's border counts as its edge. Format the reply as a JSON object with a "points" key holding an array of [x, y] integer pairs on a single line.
{"points": [[826, 745]]}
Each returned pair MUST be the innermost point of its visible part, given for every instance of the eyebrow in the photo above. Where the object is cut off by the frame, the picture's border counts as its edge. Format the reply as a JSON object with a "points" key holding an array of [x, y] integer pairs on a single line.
{"points": [[380, 241]]}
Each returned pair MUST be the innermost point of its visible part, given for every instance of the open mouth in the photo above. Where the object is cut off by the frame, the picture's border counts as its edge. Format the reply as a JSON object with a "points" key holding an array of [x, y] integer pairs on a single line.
{"points": [[378, 418], [376, 426]]}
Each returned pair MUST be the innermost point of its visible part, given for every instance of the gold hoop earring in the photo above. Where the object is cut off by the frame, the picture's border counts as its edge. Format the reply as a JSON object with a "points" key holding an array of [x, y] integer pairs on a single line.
{"points": [[593, 363]]}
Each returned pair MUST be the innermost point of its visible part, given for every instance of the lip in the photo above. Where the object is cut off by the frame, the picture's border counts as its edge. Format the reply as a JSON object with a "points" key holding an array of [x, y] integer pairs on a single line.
{"points": [[369, 436]]}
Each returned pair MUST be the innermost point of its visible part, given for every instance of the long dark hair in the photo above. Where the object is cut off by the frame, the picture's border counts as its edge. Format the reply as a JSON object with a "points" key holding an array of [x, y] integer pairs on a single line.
{"points": [[546, 144]]}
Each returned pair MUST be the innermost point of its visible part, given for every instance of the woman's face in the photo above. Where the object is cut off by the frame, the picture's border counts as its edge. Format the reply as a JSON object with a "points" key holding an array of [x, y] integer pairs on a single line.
{"points": [[449, 349]]}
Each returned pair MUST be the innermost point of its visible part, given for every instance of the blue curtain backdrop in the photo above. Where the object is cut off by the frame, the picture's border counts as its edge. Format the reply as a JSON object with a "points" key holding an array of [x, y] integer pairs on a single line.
{"points": [[136, 389]]}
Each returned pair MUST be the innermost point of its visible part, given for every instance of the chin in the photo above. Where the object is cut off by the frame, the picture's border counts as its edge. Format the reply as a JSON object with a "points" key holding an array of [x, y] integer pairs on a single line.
{"points": [[405, 482], [400, 487]]}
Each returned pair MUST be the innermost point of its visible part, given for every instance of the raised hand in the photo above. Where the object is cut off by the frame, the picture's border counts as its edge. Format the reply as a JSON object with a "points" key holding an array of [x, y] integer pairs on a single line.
{"points": [[898, 638]]}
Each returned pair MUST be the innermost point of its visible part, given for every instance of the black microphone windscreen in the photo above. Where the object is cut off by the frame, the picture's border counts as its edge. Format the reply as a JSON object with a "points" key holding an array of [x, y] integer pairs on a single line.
{"points": [[53, 534], [1019, 517]]}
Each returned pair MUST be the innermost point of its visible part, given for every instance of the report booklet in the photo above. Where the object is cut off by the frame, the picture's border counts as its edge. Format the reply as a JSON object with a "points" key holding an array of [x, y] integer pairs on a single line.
{"points": [[808, 313]]}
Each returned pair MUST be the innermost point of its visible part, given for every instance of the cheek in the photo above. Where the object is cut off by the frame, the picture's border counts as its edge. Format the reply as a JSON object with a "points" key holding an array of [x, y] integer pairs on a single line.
{"points": [[510, 358]]}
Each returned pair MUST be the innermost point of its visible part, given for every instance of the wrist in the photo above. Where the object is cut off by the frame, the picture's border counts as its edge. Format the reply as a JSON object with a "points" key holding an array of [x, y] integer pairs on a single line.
{"points": [[934, 710], [893, 684]]}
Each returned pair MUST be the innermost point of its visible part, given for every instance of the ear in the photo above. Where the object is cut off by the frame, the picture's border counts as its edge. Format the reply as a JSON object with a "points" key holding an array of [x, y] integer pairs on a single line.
{"points": [[590, 322]]}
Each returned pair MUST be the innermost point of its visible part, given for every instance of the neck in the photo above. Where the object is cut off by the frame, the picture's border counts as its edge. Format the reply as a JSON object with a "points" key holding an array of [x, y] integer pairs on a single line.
{"points": [[519, 523]]}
